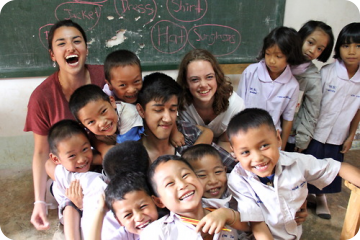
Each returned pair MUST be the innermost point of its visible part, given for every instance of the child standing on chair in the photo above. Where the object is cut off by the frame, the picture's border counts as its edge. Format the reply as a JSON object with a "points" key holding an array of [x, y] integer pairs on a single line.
{"points": [[270, 84], [339, 111]]}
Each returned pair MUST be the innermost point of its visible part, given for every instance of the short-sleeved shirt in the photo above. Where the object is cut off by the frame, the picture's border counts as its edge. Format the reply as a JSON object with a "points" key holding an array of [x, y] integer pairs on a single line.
{"points": [[278, 205], [48, 105], [339, 104], [172, 227], [279, 97], [219, 124]]}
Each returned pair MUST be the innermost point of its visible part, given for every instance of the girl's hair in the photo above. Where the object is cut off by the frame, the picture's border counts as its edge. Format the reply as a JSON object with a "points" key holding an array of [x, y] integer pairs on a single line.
{"points": [[224, 87], [311, 26], [349, 34], [65, 23], [289, 42]]}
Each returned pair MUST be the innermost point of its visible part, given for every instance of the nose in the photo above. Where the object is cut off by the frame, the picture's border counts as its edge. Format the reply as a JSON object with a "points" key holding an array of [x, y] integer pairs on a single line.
{"points": [[70, 47], [182, 184], [138, 216], [166, 116], [272, 59], [81, 160], [257, 156], [352, 49], [311, 49], [212, 179]]}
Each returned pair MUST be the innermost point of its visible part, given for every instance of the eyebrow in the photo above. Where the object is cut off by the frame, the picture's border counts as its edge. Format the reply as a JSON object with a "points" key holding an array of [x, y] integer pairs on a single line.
{"points": [[62, 39], [68, 152]]}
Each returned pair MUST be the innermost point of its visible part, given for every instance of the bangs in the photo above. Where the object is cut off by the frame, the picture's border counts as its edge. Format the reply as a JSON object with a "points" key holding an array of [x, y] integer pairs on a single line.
{"points": [[353, 38]]}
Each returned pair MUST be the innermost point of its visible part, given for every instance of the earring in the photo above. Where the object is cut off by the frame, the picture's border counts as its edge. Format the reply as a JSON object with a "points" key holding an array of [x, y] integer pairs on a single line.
{"points": [[54, 64]]}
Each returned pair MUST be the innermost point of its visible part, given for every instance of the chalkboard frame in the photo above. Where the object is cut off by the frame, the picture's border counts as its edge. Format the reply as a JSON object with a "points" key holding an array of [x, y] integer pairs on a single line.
{"points": [[34, 71]]}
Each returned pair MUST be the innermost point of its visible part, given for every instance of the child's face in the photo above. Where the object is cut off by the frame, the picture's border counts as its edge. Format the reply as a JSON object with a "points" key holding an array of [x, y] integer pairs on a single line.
{"points": [[159, 117], [178, 187], [350, 54], [314, 44], [257, 150], [212, 175], [99, 117], [74, 153], [135, 211], [126, 82], [275, 61], [201, 80]]}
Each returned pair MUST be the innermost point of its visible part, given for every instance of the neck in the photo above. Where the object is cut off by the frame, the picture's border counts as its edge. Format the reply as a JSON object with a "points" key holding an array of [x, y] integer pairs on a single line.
{"points": [[199, 105], [197, 213], [156, 147], [351, 69], [70, 82]]}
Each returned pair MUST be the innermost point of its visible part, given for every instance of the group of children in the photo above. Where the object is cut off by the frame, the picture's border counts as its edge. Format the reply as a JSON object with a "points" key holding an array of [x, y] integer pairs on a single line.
{"points": [[184, 191]]}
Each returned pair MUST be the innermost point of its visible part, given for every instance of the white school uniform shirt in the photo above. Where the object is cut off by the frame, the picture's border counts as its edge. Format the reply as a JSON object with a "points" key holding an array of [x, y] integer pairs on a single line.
{"points": [[279, 97], [93, 185], [219, 124], [171, 227], [278, 205], [339, 104], [129, 116]]}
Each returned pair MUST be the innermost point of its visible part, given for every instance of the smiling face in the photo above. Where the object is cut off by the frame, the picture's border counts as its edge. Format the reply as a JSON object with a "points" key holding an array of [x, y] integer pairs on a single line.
{"points": [[126, 82], [275, 61], [314, 44], [159, 117], [178, 188], [135, 211], [212, 175], [69, 49], [99, 117], [74, 153], [350, 54], [257, 150], [201, 81]]}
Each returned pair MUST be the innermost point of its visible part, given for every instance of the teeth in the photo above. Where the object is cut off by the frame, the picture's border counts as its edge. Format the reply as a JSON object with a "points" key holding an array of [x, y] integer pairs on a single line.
{"points": [[214, 190], [82, 166], [143, 225], [71, 56], [187, 195], [261, 166], [203, 92]]}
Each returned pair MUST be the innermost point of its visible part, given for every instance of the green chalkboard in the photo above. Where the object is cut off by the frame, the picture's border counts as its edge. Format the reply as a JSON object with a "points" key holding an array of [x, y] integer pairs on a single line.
{"points": [[160, 32]]}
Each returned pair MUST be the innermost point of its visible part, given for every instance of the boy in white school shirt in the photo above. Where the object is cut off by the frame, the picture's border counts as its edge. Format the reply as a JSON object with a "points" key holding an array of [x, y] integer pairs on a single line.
{"points": [[269, 184]]}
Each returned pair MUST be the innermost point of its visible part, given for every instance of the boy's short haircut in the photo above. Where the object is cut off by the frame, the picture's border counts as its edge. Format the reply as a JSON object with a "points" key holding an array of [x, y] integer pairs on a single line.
{"points": [[125, 183], [198, 151], [83, 95], [121, 57], [157, 162], [128, 156], [158, 87], [249, 118], [63, 130]]}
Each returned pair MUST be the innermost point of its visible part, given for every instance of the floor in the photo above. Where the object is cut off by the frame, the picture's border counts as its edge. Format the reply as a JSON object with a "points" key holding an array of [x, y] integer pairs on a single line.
{"points": [[17, 203]]}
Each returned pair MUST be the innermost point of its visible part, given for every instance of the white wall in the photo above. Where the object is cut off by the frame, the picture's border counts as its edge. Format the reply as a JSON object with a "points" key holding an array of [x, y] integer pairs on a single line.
{"points": [[16, 146]]}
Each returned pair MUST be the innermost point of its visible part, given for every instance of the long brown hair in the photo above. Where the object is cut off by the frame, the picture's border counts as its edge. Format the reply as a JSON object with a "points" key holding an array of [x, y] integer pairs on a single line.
{"points": [[224, 87]]}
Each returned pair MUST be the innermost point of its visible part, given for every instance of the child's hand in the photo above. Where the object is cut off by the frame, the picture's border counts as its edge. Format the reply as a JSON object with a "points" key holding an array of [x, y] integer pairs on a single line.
{"points": [[347, 145], [74, 193], [177, 138], [302, 214], [214, 221]]}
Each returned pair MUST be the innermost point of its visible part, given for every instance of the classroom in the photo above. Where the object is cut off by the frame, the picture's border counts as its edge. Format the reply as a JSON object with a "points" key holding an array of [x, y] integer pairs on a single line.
{"points": [[16, 146]]}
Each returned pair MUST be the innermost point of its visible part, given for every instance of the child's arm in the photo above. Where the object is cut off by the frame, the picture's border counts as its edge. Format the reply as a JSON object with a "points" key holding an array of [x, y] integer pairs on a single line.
{"points": [[302, 214], [95, 230], [350, 173], [286, 129], [224, 142], [206, 135], [261, 231], [176, 138], [353, 126], [74, 194], [71, 223], [216, 220]]}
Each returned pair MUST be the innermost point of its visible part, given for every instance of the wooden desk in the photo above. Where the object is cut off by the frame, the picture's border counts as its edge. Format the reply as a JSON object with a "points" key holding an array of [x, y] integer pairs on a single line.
{"points": [[352, 217]]}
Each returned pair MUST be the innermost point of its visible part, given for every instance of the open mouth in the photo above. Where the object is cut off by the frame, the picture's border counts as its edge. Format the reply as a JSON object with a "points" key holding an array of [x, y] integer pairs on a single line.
{"points": [[82, 166], [106, 128], [214, 191], [204, 92], [143, 225], [72, 59], [261, 166], [186, 195]]}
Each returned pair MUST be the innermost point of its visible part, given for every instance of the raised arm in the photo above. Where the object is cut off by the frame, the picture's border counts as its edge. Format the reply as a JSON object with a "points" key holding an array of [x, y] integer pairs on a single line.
{"points": [[40, 156], [206, 135]]}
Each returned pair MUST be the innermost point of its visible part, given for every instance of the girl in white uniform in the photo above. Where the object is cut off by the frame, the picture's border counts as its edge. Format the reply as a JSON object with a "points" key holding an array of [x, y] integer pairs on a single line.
{"points": [[339, 110], [318, 41], [209, 97], [270, 84]]}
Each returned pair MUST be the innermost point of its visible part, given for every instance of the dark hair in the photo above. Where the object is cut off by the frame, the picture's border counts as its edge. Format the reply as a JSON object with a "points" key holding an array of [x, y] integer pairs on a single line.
{"points": [[83, 95], [128, 156], [125, 183], [158, 87], [288, 41], [224, 87], [198, 151], [311, 26], [64, 23], [118, 58], [62, 130], [249, 118], [349, 34], [157, 162]]}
